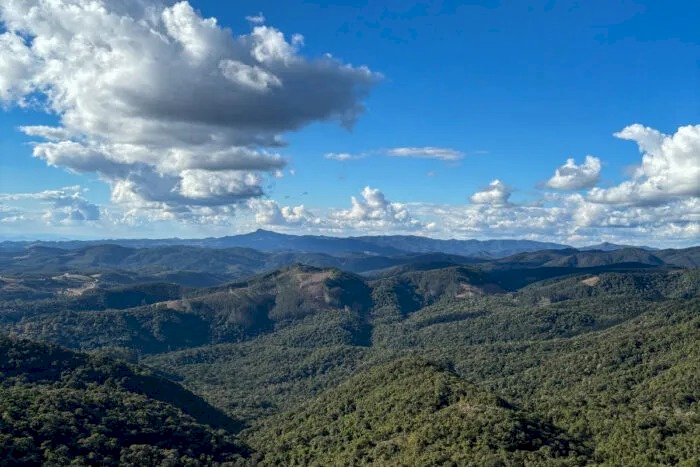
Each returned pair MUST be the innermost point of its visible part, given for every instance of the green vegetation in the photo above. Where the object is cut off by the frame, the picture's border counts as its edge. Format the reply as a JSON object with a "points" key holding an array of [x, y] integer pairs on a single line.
{"points": [[411, 412], [549, 358], [58, 407]]}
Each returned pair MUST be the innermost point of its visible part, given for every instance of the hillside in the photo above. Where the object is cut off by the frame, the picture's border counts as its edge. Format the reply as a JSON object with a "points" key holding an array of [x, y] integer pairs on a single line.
{"points": [[61, 407], [156, 318], [411, 412]]}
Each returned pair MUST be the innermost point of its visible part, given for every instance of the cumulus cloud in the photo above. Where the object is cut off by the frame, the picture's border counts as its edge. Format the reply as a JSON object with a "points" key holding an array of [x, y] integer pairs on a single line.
{"points": [[268, 212], [427, 152], [575, 177], [670, 168], [567, 219], [496, 221], [373, 211], [171, 109], [65, 205], [497, 193]]}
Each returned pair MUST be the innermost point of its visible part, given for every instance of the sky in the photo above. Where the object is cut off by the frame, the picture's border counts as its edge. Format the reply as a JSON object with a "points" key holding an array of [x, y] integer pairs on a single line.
{"points": [[575, 122]]}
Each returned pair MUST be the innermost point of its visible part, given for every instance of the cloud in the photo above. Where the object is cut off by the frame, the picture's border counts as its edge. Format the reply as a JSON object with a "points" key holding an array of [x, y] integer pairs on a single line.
{"points": [[495, 221], [497, 193], [172, 110], [575, 177], [566, 219], [65, 205], [428, 152], [268, 212], [670, 168], [342, 156], [256, 19], [373, 211]]}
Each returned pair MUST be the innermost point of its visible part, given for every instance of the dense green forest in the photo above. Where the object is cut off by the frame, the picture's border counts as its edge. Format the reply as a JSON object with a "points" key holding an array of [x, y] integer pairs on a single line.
{"points": [[544, 358]]}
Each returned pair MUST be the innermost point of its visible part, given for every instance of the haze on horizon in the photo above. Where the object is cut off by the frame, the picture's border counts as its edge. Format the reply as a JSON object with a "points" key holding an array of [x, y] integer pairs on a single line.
{"points": [[558, 122]]}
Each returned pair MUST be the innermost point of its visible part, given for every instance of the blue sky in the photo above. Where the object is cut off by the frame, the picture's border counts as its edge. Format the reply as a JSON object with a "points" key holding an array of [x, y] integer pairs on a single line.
{"points": [[515, 90]]}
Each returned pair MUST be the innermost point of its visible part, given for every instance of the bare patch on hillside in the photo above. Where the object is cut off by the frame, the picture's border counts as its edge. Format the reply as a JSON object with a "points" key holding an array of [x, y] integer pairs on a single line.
{"points": [[591, 281], [469, 290]]}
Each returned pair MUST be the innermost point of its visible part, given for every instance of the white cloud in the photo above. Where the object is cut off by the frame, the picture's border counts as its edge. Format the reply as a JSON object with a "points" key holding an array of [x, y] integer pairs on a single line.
{"points": [[342, 156], [575, 177], [268, 212], [159, 101], [670, 168], [496, 221], [428, 152], [373, 211], [566, 219], [256, 19], [65, 205], [497, 193]]}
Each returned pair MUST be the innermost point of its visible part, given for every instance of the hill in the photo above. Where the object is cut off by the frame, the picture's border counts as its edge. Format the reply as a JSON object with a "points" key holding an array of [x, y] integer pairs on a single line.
{"points": [[410, 412], [154, 318], [61, 407]]}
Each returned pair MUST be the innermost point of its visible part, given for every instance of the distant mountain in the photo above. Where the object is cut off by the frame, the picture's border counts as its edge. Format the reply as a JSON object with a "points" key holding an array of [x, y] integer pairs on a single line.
{"points": [[685, 258], [470, 248], [110, 264], [607, 246], [266, 241], [572, 258]]}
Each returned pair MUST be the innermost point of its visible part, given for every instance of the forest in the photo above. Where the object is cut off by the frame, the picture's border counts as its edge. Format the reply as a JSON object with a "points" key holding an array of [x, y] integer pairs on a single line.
{"points": [[551, 357]]}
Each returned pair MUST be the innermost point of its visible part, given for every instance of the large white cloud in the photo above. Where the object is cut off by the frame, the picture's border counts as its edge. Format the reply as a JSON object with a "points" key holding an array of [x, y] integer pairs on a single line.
{"points": [[670, 168], [575, 177], [497, 193], [170, 108]]}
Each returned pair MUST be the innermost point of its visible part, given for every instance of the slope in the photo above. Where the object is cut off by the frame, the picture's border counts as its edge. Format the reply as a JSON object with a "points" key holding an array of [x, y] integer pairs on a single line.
{"points": [[60, 407]]}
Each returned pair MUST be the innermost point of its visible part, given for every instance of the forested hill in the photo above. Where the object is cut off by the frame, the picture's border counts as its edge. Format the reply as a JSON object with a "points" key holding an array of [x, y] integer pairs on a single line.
{"points": [[60, 407]]}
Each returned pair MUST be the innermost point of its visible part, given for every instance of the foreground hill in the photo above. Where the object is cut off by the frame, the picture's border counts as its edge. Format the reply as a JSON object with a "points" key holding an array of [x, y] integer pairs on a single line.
{"points": [[411, 412], [59, 407]]}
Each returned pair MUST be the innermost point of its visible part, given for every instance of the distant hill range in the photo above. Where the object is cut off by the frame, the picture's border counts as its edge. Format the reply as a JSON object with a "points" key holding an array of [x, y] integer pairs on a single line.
{"points": [[607, 246], [386, 245], [214, 261]]}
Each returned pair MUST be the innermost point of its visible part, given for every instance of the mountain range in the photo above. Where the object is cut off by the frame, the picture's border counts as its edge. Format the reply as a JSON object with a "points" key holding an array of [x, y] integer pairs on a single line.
{"points": [[322, 351], [267, 241]]}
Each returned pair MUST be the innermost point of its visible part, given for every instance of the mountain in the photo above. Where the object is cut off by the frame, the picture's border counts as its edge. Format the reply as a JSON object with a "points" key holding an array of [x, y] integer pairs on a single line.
{"points": [[607, 246], [684, 258], [62, 407], [152, 318], [190, 265], [580, 259], [470, 248], [266, 241]]}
